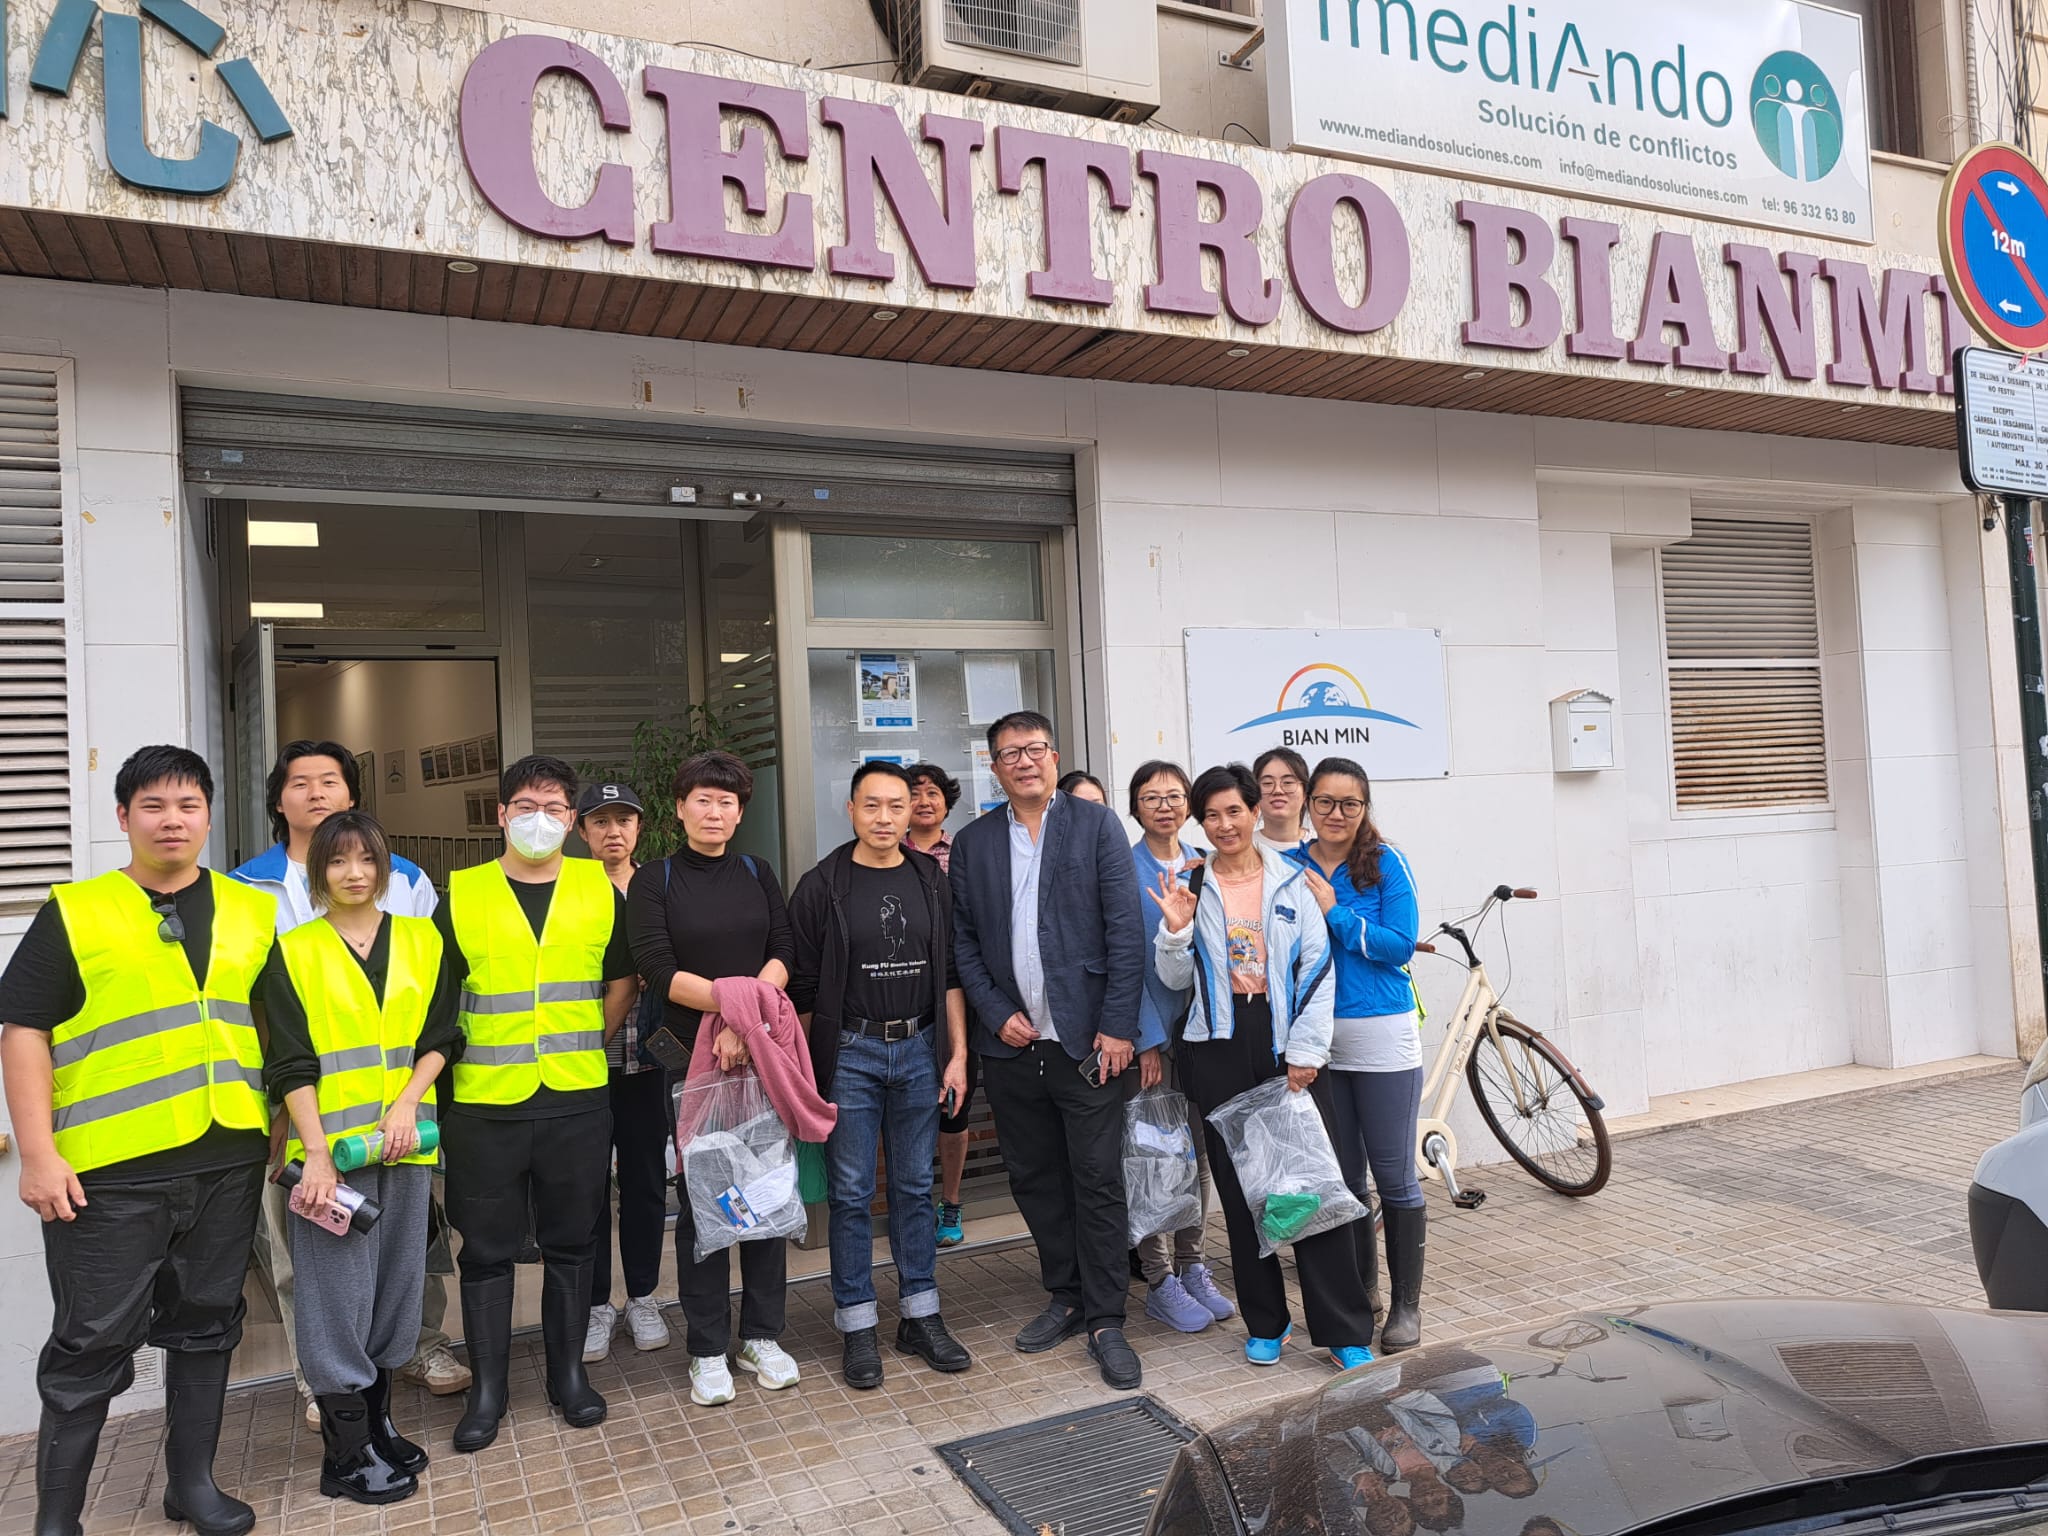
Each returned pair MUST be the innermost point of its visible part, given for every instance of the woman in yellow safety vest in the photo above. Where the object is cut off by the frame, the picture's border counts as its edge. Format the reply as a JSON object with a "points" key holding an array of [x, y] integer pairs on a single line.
{"points": [[362, 1018]]}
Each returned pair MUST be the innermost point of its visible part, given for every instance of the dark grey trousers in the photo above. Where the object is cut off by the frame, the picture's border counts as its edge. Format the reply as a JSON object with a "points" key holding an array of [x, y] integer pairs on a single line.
{"points": [[357, 1305]]}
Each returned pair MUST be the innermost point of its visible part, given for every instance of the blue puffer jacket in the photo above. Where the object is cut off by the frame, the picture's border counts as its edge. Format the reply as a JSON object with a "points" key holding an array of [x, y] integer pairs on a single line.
{"points": [[1297, 966], [1372, 936]]}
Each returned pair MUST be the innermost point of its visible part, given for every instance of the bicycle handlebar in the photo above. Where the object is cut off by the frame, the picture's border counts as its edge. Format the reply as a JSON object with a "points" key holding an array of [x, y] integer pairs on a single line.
{"points": [[1523, 893]]}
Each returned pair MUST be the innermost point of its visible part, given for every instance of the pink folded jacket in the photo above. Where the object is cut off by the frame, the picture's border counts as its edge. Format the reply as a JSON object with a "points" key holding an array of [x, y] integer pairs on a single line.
{"points": [[762, 1017]]}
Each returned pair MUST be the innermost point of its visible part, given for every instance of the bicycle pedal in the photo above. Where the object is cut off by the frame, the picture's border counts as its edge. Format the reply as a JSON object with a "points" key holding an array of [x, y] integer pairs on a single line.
{"points": [[1469, 1199]]}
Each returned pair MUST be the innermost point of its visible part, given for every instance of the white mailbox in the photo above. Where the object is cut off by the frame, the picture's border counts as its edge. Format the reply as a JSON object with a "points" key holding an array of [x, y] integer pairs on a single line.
{"points": [[1582, 731]]}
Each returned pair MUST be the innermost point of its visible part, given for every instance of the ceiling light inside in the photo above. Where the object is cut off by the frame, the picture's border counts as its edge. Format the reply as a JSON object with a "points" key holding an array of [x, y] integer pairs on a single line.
{"points": [[287, 610], [266, 534]]}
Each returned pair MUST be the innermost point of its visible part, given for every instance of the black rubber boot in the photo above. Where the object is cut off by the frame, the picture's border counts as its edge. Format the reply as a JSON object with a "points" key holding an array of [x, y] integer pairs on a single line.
{"points": [[564, 1320], [1407, 1229], [1368, 1242], [487, 1335], [65, 1446], [391, 1445], [195, 1392], [353, 1467]]}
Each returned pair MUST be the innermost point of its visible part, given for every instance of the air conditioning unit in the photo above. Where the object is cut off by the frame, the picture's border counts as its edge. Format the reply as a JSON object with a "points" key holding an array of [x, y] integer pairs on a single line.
{"points": [[1099, 58]]}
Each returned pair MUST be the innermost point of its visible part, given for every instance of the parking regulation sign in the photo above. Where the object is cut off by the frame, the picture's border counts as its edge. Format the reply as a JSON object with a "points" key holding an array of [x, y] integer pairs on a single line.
{"points": [[1994, 245]]}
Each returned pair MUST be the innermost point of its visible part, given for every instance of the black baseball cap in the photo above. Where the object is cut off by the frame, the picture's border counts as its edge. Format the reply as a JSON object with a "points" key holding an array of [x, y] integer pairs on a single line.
{"points": [[597, 797]]}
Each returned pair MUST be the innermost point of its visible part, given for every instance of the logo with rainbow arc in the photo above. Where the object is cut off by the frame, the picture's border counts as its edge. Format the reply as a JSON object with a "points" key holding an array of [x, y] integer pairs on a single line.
{"points": [[1323, 691]]}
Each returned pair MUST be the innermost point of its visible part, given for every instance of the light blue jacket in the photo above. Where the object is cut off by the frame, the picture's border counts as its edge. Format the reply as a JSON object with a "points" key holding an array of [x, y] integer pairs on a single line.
{"points": [[1298, 982]]}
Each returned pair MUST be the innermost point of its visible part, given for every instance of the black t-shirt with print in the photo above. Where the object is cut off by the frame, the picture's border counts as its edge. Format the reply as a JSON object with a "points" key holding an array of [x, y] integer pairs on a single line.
{"points": [[889, 960]]}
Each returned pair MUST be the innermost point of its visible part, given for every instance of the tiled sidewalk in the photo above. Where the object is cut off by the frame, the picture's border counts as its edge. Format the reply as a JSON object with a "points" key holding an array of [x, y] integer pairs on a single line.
{"points": [[1849, 1197]]}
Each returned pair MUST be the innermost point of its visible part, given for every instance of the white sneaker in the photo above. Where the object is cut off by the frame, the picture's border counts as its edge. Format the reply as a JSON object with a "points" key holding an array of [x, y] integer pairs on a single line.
{"points": [[438, 1371], [597, 1343], [710, 1380], [769, 1361], [643, 1317], [312, 1414]]}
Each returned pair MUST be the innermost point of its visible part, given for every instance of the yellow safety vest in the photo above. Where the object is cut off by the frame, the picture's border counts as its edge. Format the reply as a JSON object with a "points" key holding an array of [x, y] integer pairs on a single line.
{"points": [[532, 1013], [155, 1058], [366, 1052]]}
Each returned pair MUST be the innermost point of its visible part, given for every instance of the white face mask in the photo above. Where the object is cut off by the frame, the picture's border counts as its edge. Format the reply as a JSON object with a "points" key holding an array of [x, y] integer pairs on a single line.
{"points": [[536, 835]]}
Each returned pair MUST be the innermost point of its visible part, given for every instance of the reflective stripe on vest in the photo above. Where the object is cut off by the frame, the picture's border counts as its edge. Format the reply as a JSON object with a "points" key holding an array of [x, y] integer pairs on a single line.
{"points": [[156, 1058], [532, 1010], [365, 1049]]}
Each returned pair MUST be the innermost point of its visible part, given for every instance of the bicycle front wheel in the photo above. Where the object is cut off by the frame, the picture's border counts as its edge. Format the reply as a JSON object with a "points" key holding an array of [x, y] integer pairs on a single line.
{"points": [[1533, 1104]]}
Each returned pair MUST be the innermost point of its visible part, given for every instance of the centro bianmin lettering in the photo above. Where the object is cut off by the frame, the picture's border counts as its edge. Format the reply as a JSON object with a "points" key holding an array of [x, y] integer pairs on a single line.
{"points": [[1347, 257]]}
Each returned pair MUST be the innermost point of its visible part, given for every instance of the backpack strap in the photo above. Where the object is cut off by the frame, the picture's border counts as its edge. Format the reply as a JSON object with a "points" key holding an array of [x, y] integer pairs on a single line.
{"points": [[1195, 877]]}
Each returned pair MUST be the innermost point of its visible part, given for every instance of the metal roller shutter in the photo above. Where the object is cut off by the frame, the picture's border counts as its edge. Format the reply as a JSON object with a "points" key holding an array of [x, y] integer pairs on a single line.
{"points": [[284, 443], [1742, 649], [35, 728]]}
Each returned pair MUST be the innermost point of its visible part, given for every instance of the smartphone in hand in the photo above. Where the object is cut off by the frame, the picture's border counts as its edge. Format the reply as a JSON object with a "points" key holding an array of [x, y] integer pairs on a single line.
{"points": [[1091, 1069]]}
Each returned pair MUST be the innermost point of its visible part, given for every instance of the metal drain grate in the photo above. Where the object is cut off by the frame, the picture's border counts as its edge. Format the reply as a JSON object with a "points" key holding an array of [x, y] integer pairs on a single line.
{"points": [[1091, 1473]]}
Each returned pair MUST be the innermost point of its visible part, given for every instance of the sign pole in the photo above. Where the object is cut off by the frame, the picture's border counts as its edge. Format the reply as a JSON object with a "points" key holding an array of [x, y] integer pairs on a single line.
{"points": [[2026, 639]]}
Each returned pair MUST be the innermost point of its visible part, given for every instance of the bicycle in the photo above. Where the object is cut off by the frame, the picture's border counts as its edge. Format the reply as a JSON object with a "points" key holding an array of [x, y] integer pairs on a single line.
{"points": [[1535, 1102]]}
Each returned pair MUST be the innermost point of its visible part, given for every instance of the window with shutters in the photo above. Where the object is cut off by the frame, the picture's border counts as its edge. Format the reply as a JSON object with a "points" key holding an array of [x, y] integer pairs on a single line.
{"points": [[36, 762], [1742, 659]]}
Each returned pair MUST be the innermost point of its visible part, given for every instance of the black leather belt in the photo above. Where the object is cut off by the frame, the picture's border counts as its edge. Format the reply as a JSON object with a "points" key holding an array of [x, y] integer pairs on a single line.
{"points": [[886, 1030]]}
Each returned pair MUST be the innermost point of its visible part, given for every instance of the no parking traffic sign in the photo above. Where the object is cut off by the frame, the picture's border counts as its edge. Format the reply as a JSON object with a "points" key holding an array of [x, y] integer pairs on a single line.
{"points": [[1994, 244]]}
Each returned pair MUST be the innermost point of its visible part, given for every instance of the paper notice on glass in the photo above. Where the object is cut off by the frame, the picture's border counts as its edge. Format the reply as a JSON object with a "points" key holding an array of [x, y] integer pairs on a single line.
{"points": [[988, 794], [995, 686], [885, 685], [900, 759]]}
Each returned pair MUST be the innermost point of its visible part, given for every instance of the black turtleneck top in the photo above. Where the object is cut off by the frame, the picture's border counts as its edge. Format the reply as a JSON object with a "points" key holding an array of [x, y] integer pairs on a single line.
{"points": [[714, 917]]}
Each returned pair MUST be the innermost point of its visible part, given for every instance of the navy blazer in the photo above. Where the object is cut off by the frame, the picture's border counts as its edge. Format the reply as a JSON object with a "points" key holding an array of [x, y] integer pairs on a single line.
{"points": [[1091, 937]]}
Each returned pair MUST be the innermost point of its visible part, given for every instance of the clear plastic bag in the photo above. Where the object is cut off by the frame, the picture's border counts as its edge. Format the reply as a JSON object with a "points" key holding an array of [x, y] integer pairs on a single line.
{"points": [[1285, 1164], [1162, 1182], [738, 1163]]}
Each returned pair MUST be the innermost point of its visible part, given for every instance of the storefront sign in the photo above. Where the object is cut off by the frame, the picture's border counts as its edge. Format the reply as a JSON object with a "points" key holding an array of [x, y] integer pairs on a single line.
{"points": [[1373, 695], [535, 151], [1336, 224], [1750, 110]]}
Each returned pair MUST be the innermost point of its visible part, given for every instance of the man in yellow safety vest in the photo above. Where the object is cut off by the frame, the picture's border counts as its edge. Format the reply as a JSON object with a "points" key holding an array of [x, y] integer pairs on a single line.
{"points": [[135, 1084], [538, 942]]}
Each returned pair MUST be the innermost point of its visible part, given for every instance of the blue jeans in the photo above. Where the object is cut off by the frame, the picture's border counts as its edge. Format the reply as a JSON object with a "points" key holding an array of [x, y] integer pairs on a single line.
{"points": [[884, 1090]]}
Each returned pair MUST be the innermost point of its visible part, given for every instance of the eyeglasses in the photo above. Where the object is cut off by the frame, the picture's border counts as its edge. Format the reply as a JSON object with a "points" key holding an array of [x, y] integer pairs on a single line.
{"points": [[1037, 751], [557, 809], [1275, 786], [172, 929], [1162, 802], [1323, 805]]}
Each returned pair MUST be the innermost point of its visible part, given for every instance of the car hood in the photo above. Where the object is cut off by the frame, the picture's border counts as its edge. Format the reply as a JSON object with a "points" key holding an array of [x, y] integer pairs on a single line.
{"points": [[1601, 1422]]}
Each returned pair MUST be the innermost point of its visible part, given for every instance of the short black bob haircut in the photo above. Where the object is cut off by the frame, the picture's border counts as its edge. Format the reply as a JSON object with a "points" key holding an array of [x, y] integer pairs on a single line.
{"points": [[1147, 772], [713, 770], [1212, 782], [868, 770], [148, 767], [273, 787], [942, 781], [536, 770]]}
